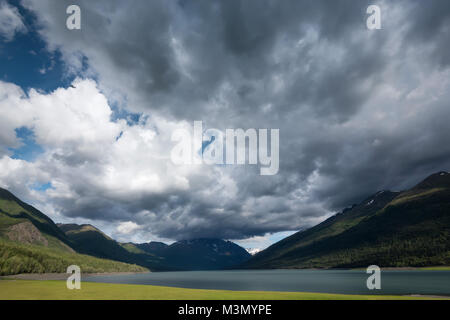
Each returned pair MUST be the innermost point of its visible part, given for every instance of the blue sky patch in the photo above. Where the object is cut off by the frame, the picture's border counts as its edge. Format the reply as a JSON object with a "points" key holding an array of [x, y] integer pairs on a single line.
{"points": [[41, 186], [29, 149], [26, 61]]}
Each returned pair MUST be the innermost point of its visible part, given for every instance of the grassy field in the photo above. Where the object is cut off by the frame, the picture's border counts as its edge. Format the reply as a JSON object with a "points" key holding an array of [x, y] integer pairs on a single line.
{"points": [[56, 290]]}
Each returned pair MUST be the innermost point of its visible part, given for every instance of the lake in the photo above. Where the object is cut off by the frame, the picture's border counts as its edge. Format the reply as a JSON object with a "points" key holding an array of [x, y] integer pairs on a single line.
{"points": [[397, 282]]}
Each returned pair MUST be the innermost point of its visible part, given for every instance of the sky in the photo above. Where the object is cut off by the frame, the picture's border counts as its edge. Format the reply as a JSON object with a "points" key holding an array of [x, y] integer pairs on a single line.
{"points": [[87, 116]]}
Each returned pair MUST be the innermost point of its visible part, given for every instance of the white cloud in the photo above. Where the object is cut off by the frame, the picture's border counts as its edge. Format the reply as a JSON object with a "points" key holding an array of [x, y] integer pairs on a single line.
{"points": [[20, 175], [127, 227], [10, 21], [253, 251], [109, 170]]}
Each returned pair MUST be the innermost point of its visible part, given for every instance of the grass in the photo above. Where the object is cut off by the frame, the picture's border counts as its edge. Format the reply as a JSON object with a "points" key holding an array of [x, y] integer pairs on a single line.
{"points": [[130, 247], [411, 196], [11, 207], [57, 290], [6, 221]]}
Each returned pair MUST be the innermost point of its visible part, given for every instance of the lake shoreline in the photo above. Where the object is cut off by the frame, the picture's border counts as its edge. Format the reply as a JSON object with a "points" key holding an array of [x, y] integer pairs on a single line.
{"points": [[64, 276], [400, 283], [60, 276]]}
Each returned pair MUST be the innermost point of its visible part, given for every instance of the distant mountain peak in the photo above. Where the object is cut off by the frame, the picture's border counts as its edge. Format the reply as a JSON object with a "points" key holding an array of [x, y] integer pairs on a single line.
{"points": [[205, 254], [76, 228], [153, 247], [439, 179]]}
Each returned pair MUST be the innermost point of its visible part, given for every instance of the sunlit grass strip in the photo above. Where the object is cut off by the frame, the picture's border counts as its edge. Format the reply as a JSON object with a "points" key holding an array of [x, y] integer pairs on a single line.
{"points": [[56, 290]]}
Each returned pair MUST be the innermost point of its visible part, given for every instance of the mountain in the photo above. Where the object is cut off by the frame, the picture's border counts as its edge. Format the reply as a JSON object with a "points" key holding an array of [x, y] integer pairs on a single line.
{"points": [[23, 223], [30, 242], [89, 240], [152, 247], [409, 228], [389, 229], [196, 254], [204, 254]]}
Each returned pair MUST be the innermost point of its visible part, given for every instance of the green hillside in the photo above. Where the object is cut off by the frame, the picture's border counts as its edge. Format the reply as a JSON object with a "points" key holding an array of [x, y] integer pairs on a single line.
{"points": [[22, 223], [410, 228], [30, 242], [18, 258]]}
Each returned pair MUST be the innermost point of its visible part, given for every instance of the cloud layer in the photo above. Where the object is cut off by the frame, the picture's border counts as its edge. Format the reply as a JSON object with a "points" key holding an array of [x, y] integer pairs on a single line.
{"points": [[358, 110], [10, 21]]}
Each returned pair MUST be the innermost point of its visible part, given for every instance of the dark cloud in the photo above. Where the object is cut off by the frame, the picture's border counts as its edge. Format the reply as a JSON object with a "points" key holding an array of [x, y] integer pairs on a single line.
{"points": [[358, 110], [431, 26]]}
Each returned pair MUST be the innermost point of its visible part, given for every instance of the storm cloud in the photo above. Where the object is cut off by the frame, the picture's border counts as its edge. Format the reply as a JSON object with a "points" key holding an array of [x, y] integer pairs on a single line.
{"points": [[358, 110]]}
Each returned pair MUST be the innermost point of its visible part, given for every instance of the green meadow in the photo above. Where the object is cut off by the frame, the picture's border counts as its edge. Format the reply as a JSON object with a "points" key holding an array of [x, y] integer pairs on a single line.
{"points": [[57, 290]]}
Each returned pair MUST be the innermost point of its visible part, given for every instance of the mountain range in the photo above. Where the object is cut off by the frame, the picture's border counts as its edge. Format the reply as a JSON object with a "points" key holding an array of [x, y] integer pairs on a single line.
{"points": [[195, 254], [395, 229], [31, 242]]}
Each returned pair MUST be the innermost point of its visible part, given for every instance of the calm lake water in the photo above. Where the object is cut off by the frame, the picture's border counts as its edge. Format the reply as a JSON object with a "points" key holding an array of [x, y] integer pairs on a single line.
{"points": [[330, 281]]}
